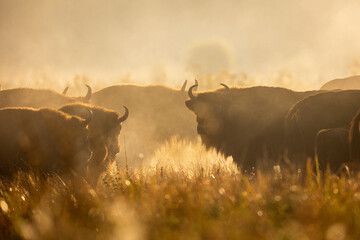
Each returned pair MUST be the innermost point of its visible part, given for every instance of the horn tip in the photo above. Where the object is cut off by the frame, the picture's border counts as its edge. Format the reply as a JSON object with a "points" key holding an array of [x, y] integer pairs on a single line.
{"points": [[125, 116], [225, 86], [65, 90]]}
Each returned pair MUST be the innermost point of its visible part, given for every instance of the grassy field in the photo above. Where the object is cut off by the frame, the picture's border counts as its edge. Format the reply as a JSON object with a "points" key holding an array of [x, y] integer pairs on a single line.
{"points": [[185, 192]]}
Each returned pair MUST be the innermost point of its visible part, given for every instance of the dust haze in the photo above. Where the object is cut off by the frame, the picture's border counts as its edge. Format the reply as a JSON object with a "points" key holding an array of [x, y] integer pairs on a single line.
{"points": [[57, 43]]}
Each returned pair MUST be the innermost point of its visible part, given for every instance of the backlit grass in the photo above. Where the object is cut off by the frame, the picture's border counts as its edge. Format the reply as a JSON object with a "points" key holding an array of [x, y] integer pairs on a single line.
{"points": [[185, 192]]}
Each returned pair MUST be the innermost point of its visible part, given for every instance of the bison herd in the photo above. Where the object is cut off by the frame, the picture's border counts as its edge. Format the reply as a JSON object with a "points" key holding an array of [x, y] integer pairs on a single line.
{"points": [[45, 131], [264, 126]]}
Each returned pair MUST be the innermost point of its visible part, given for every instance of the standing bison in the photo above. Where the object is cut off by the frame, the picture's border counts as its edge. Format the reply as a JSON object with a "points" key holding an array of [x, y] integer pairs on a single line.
{"points": [[36, 98], [104, 131], [352, 82], [43, 140], [332, 147], [339, 146], [354, 139], [157, 114], [312, 114], [245, 123]]}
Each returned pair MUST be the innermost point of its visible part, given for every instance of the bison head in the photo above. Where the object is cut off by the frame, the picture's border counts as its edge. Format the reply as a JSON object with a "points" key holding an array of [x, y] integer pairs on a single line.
{"points": [[112, 131], [104, 131], [208, 114]]}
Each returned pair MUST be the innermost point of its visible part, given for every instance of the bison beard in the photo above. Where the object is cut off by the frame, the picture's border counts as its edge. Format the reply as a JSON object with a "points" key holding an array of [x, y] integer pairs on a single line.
{"points": [[43, 140], [245, 123], [104, 131]]}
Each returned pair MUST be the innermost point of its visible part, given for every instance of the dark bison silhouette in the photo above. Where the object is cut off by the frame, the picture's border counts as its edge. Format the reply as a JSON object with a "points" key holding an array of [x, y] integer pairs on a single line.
{"points": [[104, 131], [245, 123], [36, 98], [352, 82], [157, 114], [354, 139], [332, 147], [339, 146], [307, 117], [43, 140]]}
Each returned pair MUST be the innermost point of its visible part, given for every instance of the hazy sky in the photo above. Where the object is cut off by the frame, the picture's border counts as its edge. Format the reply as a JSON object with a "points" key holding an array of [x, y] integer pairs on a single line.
{"points": [[106, 40]]}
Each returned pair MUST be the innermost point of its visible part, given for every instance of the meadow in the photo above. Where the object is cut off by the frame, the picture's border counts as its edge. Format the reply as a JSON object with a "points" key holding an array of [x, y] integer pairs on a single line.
{"points": [[185, 192]]}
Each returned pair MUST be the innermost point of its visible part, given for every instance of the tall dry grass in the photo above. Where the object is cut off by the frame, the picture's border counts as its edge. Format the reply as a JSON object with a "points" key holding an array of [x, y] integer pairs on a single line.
{"points": [[185, 192]]}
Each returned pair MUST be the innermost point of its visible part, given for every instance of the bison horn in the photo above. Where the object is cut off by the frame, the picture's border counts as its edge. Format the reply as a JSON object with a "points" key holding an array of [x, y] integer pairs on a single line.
{"points": [[88, 120], [191, 95], [225, 86], [65, 90], [125, 116], [197, 84], [88, 94], [183, 86]]}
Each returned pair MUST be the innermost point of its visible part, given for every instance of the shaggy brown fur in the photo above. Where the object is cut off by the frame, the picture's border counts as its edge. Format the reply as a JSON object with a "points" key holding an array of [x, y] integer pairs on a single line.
{"points": [[104, 131], [42, 139], [157, 114], [308, 116], [352, 82], [246, 123]]}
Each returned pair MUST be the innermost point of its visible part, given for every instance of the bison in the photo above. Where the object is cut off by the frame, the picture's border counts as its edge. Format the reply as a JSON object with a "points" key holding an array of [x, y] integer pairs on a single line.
{"points": [[104, 131], [157, 114], [332, 147], [339, 146], [43, 140], [354, 139], [36, 98], [322, 111], [245, 123], [348, 83]]}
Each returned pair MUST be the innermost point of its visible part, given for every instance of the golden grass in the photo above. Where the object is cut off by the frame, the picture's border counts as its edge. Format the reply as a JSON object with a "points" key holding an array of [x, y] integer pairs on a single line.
{"points": [[185, 192]]}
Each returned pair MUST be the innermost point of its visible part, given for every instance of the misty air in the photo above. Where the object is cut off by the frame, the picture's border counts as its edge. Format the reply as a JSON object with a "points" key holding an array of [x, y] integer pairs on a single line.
{"points": [[179, 119]]}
